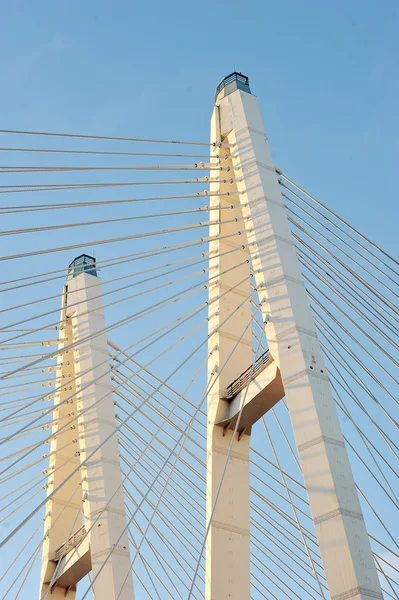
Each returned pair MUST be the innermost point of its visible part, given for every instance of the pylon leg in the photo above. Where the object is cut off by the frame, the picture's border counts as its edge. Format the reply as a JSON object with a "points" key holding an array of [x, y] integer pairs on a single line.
{"points": [[104, 509], [227, 549], [293, 343], [94, 492], [64, 509]]}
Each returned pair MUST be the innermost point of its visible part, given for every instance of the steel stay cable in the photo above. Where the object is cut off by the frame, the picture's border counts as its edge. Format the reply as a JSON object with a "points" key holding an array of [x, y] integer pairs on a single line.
{"points": [[150, 463], [268, 590], [51, 187], [364, 299], [30, 448], [287, 551], [287, 440], [161, 537], [20, 487], [277, 577], [366, 441], [343, 384], [160, 414], [9, 210], [36, 461], [348, 256], [34, 412], [32, 557], [118, 260], [25, 546], [396, 504], [285, 499], [52, 436], [304, 248], [382, 350], [308, 534], [337, 217], [175, 514], [48, 531], [325, 326], [278, 527], [145, 562], [202, 464], [131, 435], [388, 580], [201, 166], [362, 255], [152, 450], [137, 390], [112, 240], [192, 260], [192, 211], [270, 580], [294, 510], [108, 153], [276, 467], [147, 568], [348, 303], [352, 374], [348, 286], [386, 529], [347, 332], [388, 563], [115, 138], [270, 553], [166, 420], [174, 485], [348, 369], [346, 267]]}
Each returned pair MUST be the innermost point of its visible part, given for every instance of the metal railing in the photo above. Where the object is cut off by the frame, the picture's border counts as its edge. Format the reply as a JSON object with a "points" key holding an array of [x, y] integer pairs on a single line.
{"points": [[242, 82], [82, 264], [71, 543], [242, 381]]}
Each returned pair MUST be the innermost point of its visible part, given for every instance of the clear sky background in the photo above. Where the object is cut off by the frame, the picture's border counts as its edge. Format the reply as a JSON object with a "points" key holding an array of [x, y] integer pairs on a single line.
{"points": [[326, 75]]}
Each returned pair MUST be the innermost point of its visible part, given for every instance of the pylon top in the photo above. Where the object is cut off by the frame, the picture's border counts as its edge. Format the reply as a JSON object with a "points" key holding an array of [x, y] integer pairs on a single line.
{"points": [[82, 264], [234, 81]]}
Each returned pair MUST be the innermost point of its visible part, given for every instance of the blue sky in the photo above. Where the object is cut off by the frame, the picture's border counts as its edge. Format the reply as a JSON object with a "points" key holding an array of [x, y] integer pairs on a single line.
{"points": [[326, 75]]}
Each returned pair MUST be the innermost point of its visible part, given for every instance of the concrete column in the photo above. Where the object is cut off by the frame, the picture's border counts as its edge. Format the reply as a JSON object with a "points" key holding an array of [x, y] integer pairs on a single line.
{"points": [[101, 475], [293, 343], [227, 550], [63, 458]]}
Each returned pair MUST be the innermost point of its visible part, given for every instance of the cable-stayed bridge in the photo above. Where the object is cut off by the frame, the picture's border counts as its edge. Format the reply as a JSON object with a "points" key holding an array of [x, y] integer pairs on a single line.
{"points": [[198, 381]]}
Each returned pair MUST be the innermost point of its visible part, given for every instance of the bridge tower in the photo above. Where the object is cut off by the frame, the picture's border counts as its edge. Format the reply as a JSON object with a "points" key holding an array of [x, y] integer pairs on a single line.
{"points": [[84, 458], [293, 368]]}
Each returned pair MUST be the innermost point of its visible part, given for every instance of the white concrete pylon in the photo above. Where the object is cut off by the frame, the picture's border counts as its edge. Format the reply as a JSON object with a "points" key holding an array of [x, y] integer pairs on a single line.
{"points": [[104, 518], [227, 548], [64, 509], [292, 340]]}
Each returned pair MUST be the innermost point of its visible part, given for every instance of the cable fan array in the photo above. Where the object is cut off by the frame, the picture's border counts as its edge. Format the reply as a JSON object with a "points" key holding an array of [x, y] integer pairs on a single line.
{"points": [[152, 253]]}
